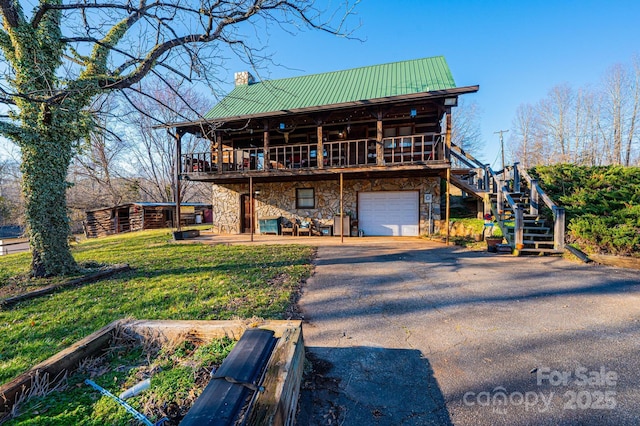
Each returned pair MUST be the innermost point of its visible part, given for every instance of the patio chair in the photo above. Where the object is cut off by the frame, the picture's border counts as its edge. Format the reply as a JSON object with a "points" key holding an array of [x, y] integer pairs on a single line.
{"points": [[305, 227], [289, 226]]}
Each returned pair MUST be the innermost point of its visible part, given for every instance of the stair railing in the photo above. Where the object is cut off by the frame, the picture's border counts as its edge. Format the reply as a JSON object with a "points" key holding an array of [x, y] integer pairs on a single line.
{"points": [[504, 195], [538, 194], [480, 178], [492, 183]]}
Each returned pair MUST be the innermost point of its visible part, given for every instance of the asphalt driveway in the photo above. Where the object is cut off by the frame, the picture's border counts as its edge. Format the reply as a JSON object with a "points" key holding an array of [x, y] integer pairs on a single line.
{"points": [[415, 333]]}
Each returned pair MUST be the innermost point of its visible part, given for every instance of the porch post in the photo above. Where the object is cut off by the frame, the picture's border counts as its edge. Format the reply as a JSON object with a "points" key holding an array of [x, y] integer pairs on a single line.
{"points": [[487, 178], [320, 149], [500, 200], [379, 147], [448, 205], [447, 156], [558, 228], [267, 163], [251, 206], [535, 197], [518, 235], [341, 208], [219, 159], [447, 137], [177, 169]]}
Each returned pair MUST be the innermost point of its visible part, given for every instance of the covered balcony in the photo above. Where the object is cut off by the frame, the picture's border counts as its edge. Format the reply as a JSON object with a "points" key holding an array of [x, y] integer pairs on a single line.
{"points": [[355, 155]]}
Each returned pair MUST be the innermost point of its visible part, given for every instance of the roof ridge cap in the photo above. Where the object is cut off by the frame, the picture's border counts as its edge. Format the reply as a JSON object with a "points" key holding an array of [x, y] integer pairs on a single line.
{"points": [[344, 70]]}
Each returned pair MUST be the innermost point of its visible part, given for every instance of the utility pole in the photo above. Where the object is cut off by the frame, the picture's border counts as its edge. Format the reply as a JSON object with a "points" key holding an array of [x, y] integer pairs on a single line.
{"points": [[501, 144]]}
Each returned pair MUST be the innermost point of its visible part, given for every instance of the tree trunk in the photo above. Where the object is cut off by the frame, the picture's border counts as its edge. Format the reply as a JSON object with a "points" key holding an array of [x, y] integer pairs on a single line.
{"points": [[44, 167]]}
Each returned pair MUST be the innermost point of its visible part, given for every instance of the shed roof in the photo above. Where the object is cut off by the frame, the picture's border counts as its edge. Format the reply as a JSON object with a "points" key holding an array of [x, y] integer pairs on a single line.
{"points": [[334, 88], [148, 204]]}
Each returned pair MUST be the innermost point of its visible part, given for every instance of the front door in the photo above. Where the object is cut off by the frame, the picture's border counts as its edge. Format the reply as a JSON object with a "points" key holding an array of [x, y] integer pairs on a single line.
{"points": [[245, 213]]}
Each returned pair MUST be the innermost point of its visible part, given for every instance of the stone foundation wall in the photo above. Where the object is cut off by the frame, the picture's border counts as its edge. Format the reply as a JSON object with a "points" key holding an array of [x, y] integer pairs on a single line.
{"points": [[279, 199]]}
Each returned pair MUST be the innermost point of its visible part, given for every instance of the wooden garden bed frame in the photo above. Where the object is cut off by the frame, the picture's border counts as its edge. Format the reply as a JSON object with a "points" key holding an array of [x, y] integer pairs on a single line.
{"points": [[275, 406]]}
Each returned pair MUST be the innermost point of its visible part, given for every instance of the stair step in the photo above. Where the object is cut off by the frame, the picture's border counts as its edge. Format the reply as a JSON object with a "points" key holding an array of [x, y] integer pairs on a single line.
{"points": [[540, 251], [537, 244], [533, 235], [536, 228], [544, 234]]}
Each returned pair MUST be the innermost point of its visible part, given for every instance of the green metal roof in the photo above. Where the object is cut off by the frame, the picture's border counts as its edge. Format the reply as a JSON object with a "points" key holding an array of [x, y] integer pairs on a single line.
{"points": [[338, 87]]}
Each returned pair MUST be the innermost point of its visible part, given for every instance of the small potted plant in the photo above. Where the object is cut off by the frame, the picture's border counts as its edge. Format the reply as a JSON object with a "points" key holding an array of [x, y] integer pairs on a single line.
{"points": [[494, 239]]}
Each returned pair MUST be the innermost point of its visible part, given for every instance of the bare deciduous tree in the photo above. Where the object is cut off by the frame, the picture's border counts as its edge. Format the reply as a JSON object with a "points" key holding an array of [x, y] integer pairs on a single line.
{"points": [[585, 126], [526, 143], [63, 54], [634, 112], [153, 150], [96, 171], [554, 122], [465, 127]]}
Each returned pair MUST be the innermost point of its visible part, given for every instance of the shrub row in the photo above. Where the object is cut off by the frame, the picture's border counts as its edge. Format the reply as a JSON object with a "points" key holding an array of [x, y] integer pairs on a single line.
{"points": [[602, 205]]}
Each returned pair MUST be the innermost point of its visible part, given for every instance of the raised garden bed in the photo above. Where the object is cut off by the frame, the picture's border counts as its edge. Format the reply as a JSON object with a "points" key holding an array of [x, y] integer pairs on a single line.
{"points": [[163, 339]]}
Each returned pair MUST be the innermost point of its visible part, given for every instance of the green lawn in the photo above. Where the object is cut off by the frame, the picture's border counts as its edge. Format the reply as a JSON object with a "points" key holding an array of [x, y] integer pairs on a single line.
{"points": [[168, 281]]}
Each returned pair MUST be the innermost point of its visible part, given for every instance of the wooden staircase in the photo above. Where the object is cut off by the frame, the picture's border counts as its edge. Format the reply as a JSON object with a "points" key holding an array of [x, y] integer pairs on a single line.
{"points": [[515, 200], [537, 235]]}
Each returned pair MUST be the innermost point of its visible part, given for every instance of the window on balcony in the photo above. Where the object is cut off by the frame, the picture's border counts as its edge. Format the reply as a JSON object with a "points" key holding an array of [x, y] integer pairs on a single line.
{"points": [[305, 198]]}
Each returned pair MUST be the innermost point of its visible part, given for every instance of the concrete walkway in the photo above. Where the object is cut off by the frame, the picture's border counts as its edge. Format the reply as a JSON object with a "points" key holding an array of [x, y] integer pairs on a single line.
{"points": [[408, 332]]}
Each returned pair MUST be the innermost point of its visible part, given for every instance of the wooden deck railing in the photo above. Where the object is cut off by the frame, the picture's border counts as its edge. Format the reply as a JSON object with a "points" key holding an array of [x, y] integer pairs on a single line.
{"points": [[413, 149]]}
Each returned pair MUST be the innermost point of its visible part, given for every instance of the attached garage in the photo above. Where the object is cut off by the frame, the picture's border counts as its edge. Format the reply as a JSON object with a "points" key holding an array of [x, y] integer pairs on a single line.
{"points": [[389, 213]]}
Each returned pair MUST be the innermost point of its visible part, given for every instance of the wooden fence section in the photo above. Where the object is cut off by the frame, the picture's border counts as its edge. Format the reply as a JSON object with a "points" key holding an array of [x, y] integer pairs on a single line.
{"points": [[13, 245]]}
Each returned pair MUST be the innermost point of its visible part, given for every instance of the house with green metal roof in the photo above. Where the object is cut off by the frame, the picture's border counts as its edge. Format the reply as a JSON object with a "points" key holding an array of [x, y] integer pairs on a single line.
{"points": [[369, 145]]}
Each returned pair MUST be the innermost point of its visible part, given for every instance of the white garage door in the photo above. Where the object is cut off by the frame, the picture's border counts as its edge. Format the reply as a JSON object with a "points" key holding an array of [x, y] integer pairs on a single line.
{"points": [[392, 213]]}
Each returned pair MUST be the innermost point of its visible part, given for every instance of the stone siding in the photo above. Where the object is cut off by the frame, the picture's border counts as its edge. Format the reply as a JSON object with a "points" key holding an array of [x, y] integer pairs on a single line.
{"points": [[279, 199]]}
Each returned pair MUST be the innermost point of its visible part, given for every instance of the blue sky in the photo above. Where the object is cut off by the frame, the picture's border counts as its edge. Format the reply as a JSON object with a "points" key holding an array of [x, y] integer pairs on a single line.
{"points": [[515, 50]]}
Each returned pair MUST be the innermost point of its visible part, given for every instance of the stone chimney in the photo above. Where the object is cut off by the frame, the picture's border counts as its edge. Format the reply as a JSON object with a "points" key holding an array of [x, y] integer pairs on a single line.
{"points": [[243, 78]]}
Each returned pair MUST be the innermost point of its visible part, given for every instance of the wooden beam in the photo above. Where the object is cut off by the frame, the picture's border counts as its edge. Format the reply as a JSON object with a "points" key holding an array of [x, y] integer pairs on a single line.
{"points": [[283, 374], [219, 157], [320, 149], [341, 208], [10, 301], [55, 367], [265, 136], [178, 163], [251, 213], [379, 136], [282, 379], [448, 206], [447, 137]]}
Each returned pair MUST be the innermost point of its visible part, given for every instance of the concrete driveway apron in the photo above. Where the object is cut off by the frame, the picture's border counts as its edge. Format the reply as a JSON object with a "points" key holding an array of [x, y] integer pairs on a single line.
{"points": [[411, 332]]}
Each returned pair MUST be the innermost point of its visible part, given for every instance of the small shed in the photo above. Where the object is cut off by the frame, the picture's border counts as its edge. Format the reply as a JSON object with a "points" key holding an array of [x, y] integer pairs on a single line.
{"points": [[143, 215]]}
